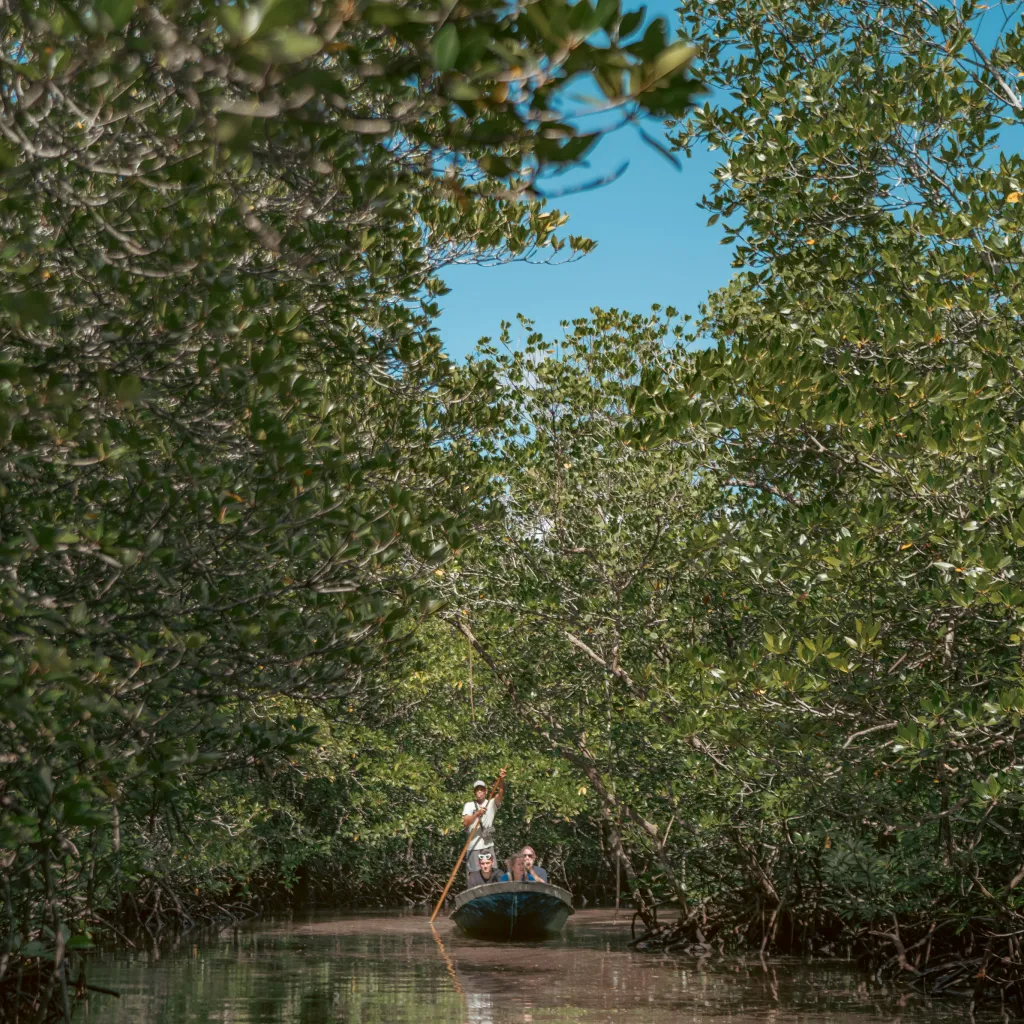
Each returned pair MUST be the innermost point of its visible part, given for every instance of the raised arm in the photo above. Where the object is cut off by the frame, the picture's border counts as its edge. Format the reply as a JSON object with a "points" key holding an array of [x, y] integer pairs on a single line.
{"points": [[500, 795]]}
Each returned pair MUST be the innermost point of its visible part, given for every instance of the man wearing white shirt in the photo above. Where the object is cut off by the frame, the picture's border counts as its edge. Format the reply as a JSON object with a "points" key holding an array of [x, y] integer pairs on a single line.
{"points": [[481, 809]]}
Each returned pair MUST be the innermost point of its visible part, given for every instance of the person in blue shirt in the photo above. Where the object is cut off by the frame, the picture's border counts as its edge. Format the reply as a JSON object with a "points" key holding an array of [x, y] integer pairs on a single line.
{"points": [[531, 870]]}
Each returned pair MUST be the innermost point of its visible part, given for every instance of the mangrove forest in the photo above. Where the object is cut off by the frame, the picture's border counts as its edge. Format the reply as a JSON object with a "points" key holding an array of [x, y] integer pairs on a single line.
{"points": [[735, 595]]}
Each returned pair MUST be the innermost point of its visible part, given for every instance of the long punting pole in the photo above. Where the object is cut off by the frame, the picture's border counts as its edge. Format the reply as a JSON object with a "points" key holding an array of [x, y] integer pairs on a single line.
{"points": [[455, 870]]}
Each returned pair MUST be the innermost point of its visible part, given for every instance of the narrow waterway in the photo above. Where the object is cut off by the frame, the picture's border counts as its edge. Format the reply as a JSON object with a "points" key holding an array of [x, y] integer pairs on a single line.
{"points": [[392, 968]]}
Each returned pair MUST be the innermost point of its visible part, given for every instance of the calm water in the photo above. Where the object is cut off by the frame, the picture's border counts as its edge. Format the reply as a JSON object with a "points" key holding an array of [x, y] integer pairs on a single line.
{"points": [[391, 969]]}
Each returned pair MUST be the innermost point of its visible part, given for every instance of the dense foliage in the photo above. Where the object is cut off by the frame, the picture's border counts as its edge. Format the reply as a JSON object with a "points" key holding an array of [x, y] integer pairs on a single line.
{"points": [[738, 604], [226, 424], [863, 399], [764, 598]]}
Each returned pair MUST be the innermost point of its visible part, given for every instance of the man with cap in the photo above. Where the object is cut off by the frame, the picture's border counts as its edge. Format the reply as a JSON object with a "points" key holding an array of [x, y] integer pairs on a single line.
{"points": [[481, 809]]}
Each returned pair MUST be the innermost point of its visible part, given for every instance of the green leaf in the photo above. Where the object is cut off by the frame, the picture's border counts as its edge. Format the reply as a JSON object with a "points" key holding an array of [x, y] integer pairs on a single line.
{"points": [[632, 21], [285, 46], [129, 389], [45, 779], [275, 14], [385, 14], [669, 62], [116, 13], [445, 48], [29, 307]]}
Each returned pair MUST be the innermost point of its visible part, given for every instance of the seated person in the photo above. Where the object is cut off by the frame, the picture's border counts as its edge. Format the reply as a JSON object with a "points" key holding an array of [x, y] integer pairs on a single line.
{"points": [[513, 869], [523, 867], [534, 872], [485, 872]]}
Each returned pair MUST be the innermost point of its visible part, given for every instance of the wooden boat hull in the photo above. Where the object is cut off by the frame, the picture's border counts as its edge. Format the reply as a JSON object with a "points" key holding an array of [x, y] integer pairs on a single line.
{"points": [[512, 911]]}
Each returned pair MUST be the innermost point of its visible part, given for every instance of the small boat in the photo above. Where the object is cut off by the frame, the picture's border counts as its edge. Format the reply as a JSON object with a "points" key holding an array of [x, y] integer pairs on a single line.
{"points": [[510, 911]]}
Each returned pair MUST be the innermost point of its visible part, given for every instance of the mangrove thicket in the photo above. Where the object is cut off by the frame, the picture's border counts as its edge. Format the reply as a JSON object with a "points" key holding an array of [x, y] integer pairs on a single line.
{"points": [[737, 598]]}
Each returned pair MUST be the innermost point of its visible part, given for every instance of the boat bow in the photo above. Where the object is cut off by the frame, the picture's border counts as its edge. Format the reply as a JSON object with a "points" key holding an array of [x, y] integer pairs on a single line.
{"points": [[512, 910]]}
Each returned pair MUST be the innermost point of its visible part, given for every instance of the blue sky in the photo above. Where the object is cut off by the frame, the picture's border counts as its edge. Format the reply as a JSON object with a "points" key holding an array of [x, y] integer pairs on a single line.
{"points": [[653, 246]]}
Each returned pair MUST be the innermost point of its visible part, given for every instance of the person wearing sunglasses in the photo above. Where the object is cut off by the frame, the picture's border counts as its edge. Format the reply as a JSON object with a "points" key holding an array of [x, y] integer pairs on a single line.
{"points": [[485, 872], [531, 870]]}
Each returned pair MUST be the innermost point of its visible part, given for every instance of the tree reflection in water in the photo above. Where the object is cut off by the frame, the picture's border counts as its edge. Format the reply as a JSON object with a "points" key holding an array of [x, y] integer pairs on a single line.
{"points": [[393, 969]]}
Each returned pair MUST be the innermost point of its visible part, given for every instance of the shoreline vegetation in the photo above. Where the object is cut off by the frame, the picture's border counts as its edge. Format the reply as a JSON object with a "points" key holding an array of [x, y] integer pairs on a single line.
{"points": [[739, 599]]}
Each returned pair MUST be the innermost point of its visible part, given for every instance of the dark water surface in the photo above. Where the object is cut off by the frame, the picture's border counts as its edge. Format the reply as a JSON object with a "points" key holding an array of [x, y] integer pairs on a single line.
{"points": [[392, 969]]}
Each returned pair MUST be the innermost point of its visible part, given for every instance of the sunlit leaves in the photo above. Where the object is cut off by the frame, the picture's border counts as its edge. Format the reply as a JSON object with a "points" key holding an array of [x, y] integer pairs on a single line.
{"points": [[862, 365], [230, 447]]}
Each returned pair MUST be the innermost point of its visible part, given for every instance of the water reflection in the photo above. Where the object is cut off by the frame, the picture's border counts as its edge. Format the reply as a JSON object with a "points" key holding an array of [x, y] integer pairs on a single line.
{"points": [[393, 969]]}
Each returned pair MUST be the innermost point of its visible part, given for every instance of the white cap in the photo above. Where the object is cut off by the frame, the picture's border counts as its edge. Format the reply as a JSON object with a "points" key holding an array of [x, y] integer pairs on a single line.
{"points": [[479, 782]]}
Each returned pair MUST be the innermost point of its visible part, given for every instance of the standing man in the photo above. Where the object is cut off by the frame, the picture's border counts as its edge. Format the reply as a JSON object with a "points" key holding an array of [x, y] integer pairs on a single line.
{"points": [[483, 810]]}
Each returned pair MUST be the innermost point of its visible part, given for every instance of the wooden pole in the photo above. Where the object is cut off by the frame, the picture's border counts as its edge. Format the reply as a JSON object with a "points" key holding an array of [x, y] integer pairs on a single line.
{"points": [[451, 877], [455, 870], [448, 961]]}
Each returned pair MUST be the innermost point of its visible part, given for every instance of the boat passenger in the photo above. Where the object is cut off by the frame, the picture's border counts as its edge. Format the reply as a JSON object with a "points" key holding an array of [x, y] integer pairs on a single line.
{"points": [[523, 867], [531, 869], [481, 809], [486, 873], [514, 871]]}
